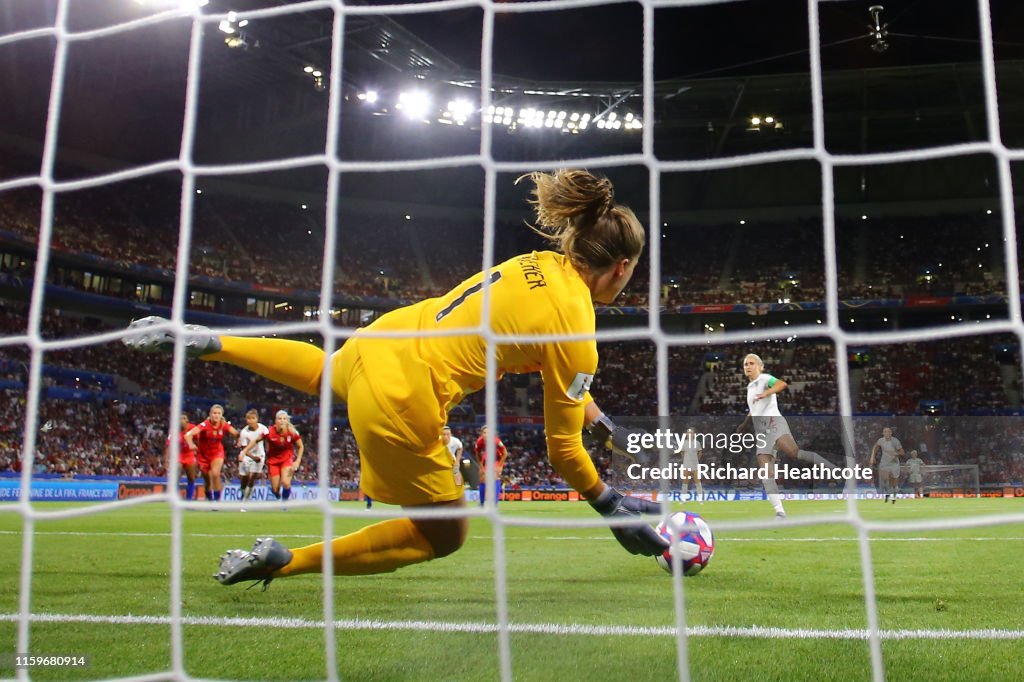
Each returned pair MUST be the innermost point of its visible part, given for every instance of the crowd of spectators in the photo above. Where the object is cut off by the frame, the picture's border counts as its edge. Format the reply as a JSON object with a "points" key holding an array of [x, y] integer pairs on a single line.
{"points": [[117, 424], [279, 246], [964, 374], [907, 256]]}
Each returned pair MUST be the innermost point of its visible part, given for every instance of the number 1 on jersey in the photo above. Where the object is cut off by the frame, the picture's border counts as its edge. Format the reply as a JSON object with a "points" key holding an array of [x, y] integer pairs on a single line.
{"points": [[447, 310]]}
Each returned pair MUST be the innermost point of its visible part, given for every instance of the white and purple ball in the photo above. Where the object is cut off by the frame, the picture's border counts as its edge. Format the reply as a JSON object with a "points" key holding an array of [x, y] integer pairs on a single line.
{"points": [[696, 542]]}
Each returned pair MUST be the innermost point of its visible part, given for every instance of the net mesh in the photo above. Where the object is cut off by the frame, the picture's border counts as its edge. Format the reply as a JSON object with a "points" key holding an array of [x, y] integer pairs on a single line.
{"points": [[333, 337], [951, 479]]}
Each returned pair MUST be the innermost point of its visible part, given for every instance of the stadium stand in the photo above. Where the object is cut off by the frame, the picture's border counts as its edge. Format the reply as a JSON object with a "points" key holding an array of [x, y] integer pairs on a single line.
{"points": [[239, 241], [108, 410]]}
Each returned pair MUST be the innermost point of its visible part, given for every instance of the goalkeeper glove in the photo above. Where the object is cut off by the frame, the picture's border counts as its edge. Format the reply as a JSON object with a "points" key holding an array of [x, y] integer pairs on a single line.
{"points": [[637, 539], [141, 337]]}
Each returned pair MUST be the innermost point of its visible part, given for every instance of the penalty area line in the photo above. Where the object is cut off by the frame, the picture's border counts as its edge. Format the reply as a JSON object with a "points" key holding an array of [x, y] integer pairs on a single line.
{"points": [[754, 631]]}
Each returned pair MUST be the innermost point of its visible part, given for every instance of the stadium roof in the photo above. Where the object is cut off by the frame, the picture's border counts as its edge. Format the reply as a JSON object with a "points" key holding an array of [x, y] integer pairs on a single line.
{"points": [[716, 66]]}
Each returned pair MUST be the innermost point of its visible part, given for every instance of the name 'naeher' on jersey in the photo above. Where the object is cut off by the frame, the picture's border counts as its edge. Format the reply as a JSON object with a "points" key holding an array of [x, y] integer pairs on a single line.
{"points": [[534, 294]]}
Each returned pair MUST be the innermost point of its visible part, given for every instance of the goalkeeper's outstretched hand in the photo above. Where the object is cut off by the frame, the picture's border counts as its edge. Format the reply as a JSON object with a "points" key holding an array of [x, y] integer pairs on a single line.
{"points": [[143, 337], [640, 538]]}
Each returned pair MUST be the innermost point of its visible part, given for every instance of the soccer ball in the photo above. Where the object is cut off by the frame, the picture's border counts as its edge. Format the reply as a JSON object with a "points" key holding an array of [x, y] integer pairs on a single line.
{"points": [[696, 543]]}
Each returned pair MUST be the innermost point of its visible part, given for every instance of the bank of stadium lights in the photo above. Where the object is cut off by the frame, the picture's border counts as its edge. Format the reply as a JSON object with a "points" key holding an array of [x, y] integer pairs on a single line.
{"points": [[418, 105], [414, 104], [759, 123], [558, 119], [457, 112], [317, 75], [232, 28]]}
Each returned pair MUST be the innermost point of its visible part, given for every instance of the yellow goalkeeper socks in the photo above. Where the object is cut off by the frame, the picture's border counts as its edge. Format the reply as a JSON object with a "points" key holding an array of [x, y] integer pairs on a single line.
{"points": [[292, 363], [380, 548]]}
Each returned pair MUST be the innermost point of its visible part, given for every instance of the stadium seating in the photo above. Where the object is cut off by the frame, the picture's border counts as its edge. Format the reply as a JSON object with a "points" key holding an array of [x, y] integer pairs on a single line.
{"points": [[238, 240]]}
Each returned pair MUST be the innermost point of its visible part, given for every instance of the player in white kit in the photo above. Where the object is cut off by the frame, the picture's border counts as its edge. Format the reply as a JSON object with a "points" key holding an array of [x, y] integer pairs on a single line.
{"points": [[250, 465], [691, 465], [914, 477], [891, 449], [772, 428], [454, 446]]}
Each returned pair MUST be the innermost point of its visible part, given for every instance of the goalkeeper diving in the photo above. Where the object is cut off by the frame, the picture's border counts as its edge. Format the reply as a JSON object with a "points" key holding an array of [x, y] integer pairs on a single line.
{"points": [[399, 389]]}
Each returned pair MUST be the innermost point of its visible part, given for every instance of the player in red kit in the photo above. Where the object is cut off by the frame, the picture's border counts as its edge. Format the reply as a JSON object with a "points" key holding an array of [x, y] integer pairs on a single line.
{"points": [[500, 454], [208, 437], [284, 454], [186, 457]]}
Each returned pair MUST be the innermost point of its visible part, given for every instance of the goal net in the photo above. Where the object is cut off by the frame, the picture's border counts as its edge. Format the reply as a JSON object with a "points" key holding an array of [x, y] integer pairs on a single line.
{"points": [[950, 480], [660, 172]]}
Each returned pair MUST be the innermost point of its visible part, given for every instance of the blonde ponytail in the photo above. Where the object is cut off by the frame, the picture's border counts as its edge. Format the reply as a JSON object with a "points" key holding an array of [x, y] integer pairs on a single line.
{"points": [[576, 211]]}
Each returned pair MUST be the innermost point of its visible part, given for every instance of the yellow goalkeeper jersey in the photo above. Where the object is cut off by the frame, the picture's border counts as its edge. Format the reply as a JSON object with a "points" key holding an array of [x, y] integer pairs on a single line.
{"points": [[534, 294]]}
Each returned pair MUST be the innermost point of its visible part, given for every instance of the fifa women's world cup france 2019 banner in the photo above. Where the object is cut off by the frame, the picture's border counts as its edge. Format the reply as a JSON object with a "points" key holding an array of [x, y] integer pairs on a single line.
{"points": [[60, 491]]}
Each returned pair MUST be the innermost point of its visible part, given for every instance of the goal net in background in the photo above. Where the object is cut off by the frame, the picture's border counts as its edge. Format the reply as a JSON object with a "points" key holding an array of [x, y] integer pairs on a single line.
{"points": [[951, 480], [650, 162]]}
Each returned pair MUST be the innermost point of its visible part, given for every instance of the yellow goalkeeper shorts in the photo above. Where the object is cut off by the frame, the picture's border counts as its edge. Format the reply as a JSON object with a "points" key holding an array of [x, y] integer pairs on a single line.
{"points": [[402, 458]]}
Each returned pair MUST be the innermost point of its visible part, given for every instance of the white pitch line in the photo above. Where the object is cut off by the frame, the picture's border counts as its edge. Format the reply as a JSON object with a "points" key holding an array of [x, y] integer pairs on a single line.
{"points": [[531, 538], [150, 535], [754, 631]]}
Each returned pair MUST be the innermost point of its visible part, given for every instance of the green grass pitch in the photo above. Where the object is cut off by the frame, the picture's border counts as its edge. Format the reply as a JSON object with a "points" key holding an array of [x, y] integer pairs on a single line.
{"points": [[435, 621]]}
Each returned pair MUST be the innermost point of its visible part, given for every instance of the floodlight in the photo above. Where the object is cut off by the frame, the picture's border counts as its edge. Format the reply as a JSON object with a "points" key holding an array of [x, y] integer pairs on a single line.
{"points": [[461, 109], [414, 103]]}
